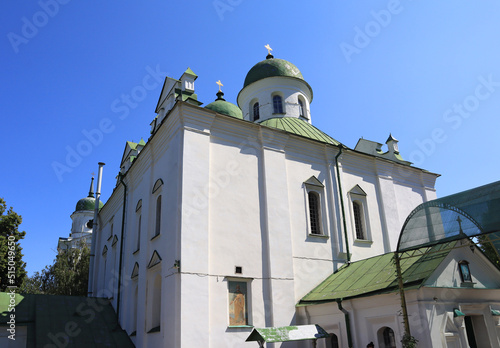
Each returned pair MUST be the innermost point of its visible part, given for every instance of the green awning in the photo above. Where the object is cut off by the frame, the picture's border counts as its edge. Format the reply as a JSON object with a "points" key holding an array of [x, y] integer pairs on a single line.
{"points": [[287, 333]]}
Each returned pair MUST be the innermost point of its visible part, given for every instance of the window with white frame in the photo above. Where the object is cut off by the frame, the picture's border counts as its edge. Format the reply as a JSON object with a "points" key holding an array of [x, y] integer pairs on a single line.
{"points": [[277, 104], [359, 214], [239, 302], [314, 198], [255, 111], [139, 222], [157, 193]]}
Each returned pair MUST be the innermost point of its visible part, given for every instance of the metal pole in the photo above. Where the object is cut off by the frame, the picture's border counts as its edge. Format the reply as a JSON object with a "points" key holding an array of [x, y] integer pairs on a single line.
{"points": [[402, 294], [94, 232]]}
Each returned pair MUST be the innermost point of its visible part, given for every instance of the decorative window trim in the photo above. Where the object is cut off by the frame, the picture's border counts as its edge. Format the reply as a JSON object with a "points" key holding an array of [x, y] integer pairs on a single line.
{"points": [[155, 260], [139, 205], [315, 187], [115, 240], [358, 195], [135, 271], [105, 251], [157, 185]]}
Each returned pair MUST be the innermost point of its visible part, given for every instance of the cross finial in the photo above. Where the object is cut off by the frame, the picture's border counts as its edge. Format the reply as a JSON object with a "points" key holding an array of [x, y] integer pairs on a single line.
{"points": [[269, 49], [220, 85]]}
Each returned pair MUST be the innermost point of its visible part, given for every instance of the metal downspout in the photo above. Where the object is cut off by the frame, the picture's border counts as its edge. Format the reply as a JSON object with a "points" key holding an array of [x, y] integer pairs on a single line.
{"points": [[90, 285], [347, 322], [121, 249], [342, 204]]}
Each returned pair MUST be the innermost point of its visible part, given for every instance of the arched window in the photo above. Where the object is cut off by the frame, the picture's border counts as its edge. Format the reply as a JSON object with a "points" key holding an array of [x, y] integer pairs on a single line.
{"points": [[358, 222], [255, 110], [158, 216], [389, 340], [333, 341], [314, 212], [138, 244], [301, 108], [277, 104]]}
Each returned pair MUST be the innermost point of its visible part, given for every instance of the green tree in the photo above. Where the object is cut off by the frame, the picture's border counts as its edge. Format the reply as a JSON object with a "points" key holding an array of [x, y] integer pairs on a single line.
{"points": [[68, 275], [12, 266]]}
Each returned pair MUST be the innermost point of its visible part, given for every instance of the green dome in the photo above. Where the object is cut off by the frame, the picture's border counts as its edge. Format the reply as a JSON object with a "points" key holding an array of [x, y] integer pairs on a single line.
{"points": [[272, 67], [87, 203], [221, 106]]}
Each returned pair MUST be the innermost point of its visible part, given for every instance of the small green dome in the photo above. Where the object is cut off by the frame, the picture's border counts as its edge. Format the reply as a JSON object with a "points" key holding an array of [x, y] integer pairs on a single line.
{"points": [[87, 203], [221, 106], [272, 67]]}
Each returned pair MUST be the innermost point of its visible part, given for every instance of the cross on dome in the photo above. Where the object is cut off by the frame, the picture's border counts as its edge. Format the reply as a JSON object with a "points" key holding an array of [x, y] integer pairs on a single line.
{"points": [[269, 49], [220, 85]]}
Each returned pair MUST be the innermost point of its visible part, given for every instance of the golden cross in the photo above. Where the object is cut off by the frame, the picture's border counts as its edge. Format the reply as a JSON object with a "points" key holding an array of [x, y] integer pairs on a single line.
{"points": [[269, 49], [220, 85], [93, 174]]}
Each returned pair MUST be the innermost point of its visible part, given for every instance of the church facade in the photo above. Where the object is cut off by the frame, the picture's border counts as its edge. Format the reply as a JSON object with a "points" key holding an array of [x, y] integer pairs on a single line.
{"points": [[229, 215]]}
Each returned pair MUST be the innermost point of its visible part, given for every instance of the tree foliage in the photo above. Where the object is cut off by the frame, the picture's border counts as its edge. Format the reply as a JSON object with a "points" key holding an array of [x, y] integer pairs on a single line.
{"points": [[68, 275], [12, 266]]}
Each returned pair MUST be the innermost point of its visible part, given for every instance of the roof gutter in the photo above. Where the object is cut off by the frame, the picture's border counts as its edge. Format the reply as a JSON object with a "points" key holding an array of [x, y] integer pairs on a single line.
{"points": [[339, 146], [347, 322], [121, 248]]}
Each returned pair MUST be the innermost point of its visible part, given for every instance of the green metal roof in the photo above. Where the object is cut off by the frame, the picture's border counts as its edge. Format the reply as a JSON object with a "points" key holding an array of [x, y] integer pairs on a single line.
{"points": [[221, 106], [377, 275], [44, 314], [272, 67], [287, 333], [190, 72], [87, 203], [299, 127]]}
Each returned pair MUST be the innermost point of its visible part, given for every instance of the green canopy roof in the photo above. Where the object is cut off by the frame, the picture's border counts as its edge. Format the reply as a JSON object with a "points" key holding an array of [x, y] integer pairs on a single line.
{"points": [[471, 213], [299, 127], [377, 275], [287, 333]]}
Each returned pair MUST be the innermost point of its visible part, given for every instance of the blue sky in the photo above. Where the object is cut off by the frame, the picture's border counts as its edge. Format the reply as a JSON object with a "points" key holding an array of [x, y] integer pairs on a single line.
{"points": [[79, 78]]}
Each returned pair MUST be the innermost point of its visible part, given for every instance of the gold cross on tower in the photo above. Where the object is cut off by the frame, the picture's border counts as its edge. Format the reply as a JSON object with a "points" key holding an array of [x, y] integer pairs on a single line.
{"points": [[220, 85], [269, 49]]}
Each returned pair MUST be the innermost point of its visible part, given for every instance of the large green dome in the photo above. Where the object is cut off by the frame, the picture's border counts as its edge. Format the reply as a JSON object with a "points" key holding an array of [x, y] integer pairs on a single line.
{"points": [[87, 203], [221, 106], [272, 67]]}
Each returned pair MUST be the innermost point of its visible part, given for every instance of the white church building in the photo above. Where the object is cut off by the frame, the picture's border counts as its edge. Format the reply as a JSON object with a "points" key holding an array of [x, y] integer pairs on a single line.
{"points": [[229, 216]]}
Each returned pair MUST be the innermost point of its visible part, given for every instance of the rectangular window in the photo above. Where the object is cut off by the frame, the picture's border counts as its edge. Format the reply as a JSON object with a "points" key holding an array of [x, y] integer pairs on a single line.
{"points": [[238, 303], [158, 216]]}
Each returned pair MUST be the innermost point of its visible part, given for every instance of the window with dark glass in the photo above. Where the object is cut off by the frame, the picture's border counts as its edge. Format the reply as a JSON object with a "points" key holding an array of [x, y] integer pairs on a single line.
{"points": [[158, 215], [314, 212], [277, 104], [465, 271], [256, 113], [138, 244], [389, 339], [358, 222]]}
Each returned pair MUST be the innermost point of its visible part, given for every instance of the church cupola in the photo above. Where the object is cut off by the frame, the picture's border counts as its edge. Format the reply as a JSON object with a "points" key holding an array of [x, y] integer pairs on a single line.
{"points": [[221, 106], [275, 88]]}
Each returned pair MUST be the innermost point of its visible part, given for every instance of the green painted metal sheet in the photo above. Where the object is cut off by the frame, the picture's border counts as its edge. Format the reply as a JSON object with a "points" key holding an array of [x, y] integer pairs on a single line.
{"points": [[376, 275], [299, 127], [287, 333]]}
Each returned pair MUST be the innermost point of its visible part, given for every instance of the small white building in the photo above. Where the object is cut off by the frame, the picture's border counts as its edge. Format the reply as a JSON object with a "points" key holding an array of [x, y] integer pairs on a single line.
{"points": [[229, 215], [81, 226]]}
